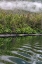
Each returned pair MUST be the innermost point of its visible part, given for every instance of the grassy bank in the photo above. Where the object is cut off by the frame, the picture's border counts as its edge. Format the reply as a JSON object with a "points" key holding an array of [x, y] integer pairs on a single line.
{"points": [[20, 23]]}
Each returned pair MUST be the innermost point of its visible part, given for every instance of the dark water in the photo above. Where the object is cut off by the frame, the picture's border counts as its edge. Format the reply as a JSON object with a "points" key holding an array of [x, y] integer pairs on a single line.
{"points": [[21, 50]]}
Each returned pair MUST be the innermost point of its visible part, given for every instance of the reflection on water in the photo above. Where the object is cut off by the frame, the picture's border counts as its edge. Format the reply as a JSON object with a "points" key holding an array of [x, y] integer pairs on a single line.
{"points": [[21, 50]]}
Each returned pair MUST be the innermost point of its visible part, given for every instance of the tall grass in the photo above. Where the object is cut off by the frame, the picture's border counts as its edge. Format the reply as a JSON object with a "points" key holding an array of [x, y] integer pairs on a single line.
{"points": [[20, 23]]}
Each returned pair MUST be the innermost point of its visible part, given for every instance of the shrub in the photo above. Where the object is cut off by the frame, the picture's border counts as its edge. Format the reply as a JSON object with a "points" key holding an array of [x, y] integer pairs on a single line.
{"points": [[29, 23]]}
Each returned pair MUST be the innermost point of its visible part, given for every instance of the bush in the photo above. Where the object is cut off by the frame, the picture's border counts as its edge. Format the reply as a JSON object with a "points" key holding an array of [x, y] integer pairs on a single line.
{"points": [[28, 30], [15, 23]]}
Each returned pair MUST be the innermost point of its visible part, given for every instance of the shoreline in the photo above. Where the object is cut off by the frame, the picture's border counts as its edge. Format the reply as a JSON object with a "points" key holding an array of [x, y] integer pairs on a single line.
{"points": [[18, 35]]}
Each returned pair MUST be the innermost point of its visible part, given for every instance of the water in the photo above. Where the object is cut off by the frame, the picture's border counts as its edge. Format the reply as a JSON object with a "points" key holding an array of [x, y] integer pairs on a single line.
{"points": [[25, 5], [21, 50]]}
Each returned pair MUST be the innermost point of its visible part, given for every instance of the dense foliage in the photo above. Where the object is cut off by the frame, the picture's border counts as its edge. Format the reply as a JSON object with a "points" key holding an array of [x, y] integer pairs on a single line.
{"points": [[20, 23]]}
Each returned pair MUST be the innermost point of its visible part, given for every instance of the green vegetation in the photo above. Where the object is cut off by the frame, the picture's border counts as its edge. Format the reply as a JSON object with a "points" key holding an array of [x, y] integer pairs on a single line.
{"points": [[20, 23]]}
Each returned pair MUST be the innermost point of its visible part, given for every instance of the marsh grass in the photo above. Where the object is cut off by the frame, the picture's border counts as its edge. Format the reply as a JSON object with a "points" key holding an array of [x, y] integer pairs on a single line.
{"points": [[20, 23]]}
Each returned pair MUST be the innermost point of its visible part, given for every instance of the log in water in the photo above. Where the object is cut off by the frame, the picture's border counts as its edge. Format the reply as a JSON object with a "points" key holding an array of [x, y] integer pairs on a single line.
{"points": [[17, 35]]}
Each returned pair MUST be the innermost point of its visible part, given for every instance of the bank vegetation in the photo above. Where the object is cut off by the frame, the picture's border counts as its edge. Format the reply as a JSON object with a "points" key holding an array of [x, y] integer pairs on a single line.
{"points": [[20, 23]]}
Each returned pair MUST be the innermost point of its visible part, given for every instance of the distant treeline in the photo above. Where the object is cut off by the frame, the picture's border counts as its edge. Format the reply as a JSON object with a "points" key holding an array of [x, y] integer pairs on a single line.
{"points": [[20, 23]]}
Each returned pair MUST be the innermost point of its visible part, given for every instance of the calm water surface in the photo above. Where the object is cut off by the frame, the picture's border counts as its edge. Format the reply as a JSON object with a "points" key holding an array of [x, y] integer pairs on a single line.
{"points": [[21, 50]]}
